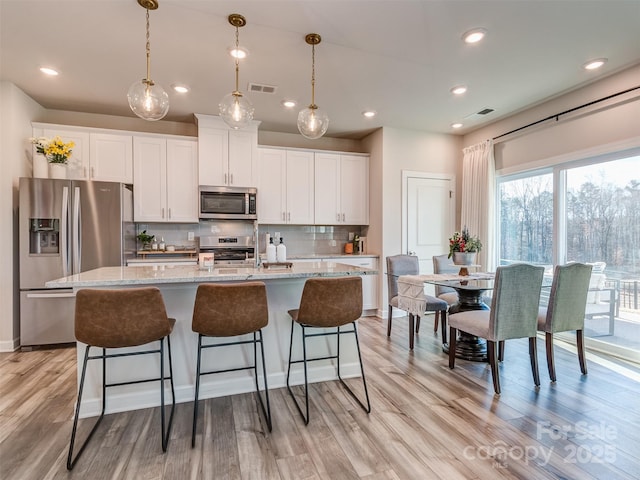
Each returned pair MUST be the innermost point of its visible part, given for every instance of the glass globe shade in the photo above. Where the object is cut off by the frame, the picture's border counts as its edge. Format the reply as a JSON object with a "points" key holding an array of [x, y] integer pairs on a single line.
{"points": [[149, 102], [236, 110], [312, 123]]}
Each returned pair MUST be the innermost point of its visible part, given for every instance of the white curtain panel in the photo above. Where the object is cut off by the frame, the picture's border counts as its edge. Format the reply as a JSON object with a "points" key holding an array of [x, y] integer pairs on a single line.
{"points": [[478, 199]]}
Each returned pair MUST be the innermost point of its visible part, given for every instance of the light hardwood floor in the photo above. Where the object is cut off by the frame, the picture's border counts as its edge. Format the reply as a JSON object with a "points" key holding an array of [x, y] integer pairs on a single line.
{"points": [[426, 422]]}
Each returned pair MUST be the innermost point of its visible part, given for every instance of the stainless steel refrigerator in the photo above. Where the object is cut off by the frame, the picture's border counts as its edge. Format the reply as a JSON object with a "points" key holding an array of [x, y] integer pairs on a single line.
{"points": [[67, 227]]}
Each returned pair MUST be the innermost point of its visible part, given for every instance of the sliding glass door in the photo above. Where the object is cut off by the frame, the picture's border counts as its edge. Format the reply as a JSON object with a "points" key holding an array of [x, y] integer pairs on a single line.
{"points": [[585, 212]]}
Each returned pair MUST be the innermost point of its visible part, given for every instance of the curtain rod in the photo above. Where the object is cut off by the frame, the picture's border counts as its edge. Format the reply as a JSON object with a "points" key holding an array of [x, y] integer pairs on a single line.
{"points": [[557, 115]]}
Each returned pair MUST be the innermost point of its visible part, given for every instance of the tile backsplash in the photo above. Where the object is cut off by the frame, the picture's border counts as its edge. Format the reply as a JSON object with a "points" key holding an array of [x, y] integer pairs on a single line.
{"points": [[307, 239], [299, 239]]}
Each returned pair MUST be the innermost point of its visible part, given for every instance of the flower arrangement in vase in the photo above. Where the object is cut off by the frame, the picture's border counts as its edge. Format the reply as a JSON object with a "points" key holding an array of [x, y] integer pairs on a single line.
{"points": [[463, 247], [57, 153]]}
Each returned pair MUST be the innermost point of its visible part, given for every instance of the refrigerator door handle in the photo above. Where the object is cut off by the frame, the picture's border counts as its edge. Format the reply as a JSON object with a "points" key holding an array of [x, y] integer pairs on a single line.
{"points": [[51, 295], [64, 231], [77, 253]]}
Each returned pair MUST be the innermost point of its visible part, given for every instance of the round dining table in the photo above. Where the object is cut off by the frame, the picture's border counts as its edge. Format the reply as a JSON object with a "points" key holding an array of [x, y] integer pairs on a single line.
{"points": [[471, 296]]}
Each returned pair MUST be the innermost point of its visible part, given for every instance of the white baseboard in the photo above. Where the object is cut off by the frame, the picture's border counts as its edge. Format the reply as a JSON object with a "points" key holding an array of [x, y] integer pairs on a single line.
{"points": [[10, 346]]}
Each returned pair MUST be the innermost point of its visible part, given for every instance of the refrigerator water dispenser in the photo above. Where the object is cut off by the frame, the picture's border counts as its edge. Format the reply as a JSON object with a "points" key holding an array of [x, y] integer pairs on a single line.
{"points": [[44, 236]]}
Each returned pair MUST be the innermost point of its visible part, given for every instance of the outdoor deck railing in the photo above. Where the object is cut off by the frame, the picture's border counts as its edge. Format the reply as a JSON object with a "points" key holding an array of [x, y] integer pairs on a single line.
{"points": [[629, 293]]}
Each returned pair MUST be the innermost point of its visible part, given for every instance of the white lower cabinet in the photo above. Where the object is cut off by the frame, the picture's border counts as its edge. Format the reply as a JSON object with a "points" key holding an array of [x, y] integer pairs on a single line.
{"points": [[369, 282], [165, 180]]}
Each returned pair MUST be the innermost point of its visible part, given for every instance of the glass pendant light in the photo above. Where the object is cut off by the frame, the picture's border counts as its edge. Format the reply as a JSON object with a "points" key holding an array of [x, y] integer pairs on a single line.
{"points": [[235, 109], [148, 100], [313, 122]]}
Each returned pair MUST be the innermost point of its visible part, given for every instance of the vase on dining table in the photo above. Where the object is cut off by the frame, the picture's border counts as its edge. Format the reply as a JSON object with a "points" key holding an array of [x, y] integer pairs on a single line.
{"points": [[464, 258]]}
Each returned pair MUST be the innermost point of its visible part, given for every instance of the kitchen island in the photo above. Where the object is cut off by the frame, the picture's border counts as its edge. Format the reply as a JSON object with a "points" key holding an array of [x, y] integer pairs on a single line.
{"points": [[178, 285]]}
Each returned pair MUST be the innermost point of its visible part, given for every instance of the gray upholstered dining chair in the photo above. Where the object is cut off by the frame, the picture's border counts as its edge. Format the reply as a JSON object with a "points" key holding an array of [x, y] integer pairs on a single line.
{"points": [[409, 265], [513, 314], [566, 310], [443, 264]]}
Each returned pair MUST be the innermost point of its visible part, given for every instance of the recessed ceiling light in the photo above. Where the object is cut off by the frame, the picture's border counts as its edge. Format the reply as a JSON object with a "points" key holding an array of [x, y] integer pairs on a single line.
{"points": [[456, 125], [369, 113], [459, 90], [594, 64], [49, 71], [474, 36], [239, 52], [288, 103], [180, 88]]}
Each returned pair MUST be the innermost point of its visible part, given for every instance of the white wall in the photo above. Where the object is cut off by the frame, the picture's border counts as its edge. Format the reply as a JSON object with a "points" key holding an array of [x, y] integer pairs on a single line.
{"points": [[16, 112], [392, 151], [604, 127]]}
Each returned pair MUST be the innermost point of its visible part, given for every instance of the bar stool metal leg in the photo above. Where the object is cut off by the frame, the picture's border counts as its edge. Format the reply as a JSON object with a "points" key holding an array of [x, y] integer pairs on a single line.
{"points": [[266, 411], [195, 402], [165, 436], [337, 333], [71, 461], [265, 405]]}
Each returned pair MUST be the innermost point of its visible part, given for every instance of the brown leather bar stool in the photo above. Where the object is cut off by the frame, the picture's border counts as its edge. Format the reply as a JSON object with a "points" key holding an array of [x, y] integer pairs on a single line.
{"points": [[327, 303], [229, 310], [121, 318]]}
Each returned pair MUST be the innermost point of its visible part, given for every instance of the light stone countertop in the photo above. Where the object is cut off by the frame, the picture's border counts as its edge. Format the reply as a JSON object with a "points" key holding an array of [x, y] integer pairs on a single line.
{"points": [[128, 276]]}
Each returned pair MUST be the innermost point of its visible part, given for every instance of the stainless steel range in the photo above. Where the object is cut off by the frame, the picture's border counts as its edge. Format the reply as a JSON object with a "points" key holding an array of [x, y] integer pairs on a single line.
{"points": [[230, 250]]}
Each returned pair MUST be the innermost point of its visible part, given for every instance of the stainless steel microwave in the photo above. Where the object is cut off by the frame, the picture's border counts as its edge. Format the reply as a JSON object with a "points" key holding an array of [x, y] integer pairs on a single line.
{"points": [[228, 203]]}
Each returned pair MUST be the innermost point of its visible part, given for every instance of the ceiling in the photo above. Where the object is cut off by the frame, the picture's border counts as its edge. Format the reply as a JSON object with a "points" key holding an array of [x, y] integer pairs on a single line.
{"points": [[397, 57]]}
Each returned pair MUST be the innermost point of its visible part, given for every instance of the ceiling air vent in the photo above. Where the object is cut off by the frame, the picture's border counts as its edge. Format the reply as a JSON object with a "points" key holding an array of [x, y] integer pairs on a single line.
{"points": [[258, 88], [480, 114]]}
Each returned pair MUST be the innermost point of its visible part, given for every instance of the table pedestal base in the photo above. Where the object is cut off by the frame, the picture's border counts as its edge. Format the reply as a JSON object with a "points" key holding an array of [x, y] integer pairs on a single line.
{"points": [[469, 347]]}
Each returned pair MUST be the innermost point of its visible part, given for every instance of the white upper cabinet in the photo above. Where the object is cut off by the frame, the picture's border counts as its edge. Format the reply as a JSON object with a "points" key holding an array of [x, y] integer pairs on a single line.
{"points": [[97, 155], [342, 189], [165, 179], [182, 181], [286, 189], [226, 156], [110, 157]]}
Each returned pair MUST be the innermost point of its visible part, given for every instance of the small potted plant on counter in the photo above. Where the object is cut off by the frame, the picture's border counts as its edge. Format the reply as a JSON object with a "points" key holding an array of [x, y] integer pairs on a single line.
{"points": [[145, 239], [464, 247]]}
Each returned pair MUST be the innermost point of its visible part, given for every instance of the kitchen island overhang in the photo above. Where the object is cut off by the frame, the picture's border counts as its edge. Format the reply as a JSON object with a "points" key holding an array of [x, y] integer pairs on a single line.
{"points": [[178, 285]]}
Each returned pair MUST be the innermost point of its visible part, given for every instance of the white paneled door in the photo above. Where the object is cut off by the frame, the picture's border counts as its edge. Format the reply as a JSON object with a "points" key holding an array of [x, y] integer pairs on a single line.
{"points": [[428, 215]]}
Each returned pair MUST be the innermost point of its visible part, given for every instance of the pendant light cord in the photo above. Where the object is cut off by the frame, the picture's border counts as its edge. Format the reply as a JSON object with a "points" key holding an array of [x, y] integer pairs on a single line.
{"points": [[148, 79], [237, 91], [313, 77]]}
